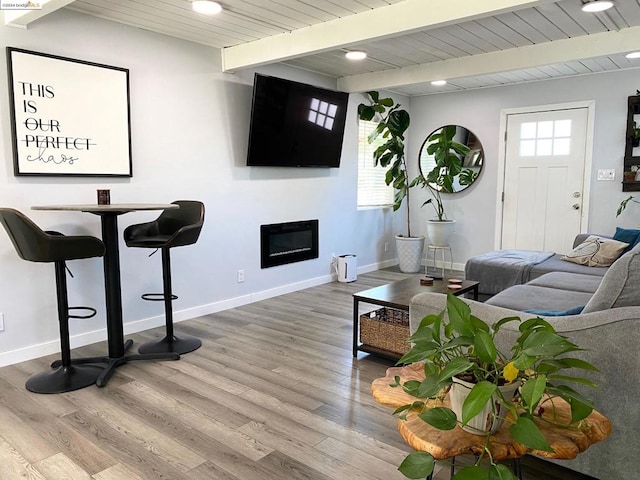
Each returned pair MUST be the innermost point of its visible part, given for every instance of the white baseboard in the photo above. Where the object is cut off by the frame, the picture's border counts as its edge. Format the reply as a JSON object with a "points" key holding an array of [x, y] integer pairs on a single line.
{"points": [[40, 350]]}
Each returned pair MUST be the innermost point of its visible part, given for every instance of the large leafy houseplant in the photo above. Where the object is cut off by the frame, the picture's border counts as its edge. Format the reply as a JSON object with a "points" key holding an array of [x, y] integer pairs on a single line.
{"points": [[393, 122], [459, 343], [448, 155]]}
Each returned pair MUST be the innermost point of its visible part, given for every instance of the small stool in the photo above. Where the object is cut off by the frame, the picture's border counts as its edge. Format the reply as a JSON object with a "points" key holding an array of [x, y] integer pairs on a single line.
{"points": [[442, 249]]}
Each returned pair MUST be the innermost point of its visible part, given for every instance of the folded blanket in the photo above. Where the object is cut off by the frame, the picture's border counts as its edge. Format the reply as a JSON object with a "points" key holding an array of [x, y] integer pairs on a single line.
{"points": [[500, 269]]}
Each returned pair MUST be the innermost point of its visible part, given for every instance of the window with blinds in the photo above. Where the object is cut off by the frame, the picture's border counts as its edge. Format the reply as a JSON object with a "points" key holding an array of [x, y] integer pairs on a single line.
{"points": [[372, 190]]}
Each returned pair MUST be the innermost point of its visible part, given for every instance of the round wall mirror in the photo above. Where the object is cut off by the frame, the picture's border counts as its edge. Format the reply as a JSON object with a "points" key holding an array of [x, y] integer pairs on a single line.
{"points": [[451, 158]]}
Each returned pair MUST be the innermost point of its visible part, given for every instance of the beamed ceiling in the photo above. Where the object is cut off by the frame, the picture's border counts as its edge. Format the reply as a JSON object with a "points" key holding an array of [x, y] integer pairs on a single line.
{"points": [[470, 43]]}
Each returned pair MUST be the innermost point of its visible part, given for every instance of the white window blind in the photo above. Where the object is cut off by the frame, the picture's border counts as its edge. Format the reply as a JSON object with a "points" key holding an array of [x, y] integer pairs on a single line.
{"points": [[372, 191]]}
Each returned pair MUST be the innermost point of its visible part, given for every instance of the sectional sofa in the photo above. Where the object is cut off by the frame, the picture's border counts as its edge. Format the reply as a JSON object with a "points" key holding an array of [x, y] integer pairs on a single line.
{"points": [[608, 329], [501, 269]]}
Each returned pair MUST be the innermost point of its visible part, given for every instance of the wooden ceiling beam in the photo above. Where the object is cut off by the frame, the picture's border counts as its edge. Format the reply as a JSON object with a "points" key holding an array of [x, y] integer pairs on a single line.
{"points": [[393, 20], [22, 18], [559, 51]]}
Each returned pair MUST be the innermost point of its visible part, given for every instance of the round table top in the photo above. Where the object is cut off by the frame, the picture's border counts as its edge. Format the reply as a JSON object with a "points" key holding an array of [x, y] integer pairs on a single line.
{"points": [[113, 207]]}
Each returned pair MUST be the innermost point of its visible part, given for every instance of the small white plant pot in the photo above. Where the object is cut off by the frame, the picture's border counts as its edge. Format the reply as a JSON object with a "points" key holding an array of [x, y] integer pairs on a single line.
{"points": [[492, 416], [439, 232]]}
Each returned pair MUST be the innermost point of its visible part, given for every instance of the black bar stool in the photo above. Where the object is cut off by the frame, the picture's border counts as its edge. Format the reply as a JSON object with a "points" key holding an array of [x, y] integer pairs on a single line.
{"points": [[35, 245], [173, 228]]}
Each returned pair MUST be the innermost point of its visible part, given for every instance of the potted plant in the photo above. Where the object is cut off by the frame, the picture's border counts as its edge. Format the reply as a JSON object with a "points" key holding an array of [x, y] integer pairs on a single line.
{"points": [[448, 154], [393, 122], [459, 344], [635, 135]]}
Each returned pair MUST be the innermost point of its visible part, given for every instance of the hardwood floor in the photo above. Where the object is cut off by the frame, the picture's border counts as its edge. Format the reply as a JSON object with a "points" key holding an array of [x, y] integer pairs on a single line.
{"points": [[273, 393]]}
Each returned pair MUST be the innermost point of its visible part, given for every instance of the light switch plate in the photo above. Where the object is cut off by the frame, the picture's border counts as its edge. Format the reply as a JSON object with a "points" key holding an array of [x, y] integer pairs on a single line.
{"points": [[606, 175]]}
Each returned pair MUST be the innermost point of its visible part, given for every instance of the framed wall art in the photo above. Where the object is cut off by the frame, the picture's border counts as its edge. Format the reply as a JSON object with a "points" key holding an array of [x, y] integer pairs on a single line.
{"points": [[68, 117]]}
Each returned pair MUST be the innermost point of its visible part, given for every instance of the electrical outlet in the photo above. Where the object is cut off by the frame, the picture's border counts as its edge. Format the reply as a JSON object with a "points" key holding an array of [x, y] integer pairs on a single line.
{"points": [[606, 175], [1, 322], [240, 276], [386, 246]]}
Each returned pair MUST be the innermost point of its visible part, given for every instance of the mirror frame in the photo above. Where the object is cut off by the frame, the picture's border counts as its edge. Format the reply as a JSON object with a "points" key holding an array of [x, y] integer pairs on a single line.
{"points": [[474, 159]]}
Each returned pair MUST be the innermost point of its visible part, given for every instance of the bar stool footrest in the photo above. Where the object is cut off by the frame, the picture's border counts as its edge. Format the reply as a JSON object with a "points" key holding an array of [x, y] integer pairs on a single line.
{"points": [[156, 297], [92, 312]]}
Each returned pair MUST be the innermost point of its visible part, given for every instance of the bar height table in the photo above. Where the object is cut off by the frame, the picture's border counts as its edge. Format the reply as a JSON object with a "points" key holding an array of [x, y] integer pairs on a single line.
{"points": [[112, 284]]}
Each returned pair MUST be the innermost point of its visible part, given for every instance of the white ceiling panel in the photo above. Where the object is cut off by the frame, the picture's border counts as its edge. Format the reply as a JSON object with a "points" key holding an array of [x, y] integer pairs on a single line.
{"points": [[477, 29]]}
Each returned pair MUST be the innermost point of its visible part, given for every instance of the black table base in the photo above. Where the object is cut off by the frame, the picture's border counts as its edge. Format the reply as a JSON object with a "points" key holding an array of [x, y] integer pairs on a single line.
{"points": [[112, 363]]}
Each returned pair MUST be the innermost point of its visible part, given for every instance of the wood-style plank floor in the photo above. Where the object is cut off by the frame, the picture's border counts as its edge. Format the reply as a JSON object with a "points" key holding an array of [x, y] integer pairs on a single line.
{"points": [[272, 394]]}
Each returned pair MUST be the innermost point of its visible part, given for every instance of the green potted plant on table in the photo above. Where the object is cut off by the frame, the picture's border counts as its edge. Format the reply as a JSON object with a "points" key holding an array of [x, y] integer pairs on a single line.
{"points": [[461, 345], [448, 156], [393, 122]]}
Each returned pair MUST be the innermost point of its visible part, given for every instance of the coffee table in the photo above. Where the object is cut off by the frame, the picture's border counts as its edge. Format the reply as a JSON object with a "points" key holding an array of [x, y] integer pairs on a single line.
{"points": [[397, 295]]}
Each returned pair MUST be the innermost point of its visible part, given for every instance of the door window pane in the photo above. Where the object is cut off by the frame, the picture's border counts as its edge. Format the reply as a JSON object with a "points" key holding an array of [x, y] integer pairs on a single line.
{"points": [[562, 128], [528, 130], [545, 138]]}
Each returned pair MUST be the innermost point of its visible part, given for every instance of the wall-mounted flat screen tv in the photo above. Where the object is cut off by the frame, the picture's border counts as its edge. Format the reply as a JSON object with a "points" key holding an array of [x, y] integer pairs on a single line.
{"points": [[295, 125]]}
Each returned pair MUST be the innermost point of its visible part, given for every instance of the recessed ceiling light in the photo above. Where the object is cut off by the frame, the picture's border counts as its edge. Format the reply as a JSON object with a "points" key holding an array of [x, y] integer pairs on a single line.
{"points": [[205, 7], [356, 55], [596, 5], [633, 55], [438, 83]]}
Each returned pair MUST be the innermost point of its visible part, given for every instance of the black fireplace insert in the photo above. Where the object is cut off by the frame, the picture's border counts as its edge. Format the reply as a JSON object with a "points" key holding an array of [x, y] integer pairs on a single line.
{"points": [[282, 243]]}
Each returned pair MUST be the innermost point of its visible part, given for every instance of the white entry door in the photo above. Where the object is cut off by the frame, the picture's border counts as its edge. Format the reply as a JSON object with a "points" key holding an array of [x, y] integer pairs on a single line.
{"points": [[544, 179]]}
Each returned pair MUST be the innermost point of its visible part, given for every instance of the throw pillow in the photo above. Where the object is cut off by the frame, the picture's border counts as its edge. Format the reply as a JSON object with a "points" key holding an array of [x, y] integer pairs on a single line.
{"points": [[557, 313], [596, 252], [619, 286], [627, 235]]}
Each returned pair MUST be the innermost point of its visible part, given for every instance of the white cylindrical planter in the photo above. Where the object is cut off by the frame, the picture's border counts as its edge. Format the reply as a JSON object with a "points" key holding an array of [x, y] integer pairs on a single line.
{"points": [[490, 419], [439, 232], [410, 251]]}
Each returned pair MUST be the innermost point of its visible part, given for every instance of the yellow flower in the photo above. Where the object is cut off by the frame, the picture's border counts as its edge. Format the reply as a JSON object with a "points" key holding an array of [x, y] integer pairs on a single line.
{"points": [[510, 372]]}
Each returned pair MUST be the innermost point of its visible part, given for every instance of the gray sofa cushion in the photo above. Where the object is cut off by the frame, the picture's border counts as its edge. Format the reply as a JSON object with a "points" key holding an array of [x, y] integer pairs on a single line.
{"points": [[498, 270], [575, 282], [556, 264], [620, 285], [531, 297]]}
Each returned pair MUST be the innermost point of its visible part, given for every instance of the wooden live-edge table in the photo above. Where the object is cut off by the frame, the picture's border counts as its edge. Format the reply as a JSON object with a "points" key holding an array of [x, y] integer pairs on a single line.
{"points": [[397, 295], [566, 440], [112, 284]]}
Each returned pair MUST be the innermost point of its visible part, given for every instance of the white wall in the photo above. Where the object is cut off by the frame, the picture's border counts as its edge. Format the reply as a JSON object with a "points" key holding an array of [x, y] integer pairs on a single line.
{"points": [[189, 125], [475, 208]]}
